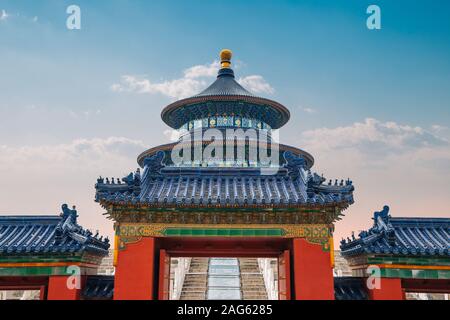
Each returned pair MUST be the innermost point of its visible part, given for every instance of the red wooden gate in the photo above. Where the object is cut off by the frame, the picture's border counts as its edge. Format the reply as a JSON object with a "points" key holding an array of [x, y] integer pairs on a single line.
{"points": [[284, 276], [164, 275]]}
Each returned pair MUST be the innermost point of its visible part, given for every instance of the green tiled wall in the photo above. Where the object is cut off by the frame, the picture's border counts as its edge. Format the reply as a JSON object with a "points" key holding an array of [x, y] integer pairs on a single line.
{"points": [[223, 232], [419, 261], [32, 271], [415, 274]]}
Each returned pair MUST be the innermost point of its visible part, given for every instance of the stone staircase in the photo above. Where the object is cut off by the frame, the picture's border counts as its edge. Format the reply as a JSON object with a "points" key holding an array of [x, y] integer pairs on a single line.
{"points": [[196, 280], [252, 280]]}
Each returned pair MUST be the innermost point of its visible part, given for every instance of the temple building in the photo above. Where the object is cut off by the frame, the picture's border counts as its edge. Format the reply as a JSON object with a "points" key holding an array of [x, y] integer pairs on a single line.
{"points": [[225, 212], [226, 189], [402, 255], [51, 255]]}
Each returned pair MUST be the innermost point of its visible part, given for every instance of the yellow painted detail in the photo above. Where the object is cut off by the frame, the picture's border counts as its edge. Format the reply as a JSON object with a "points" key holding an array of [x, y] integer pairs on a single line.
{"points": [[116, 250], [332, 251]]}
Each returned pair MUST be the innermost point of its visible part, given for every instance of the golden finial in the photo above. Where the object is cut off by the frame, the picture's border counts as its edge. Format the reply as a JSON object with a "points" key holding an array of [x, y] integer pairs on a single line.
{"points": [[225, 58]]}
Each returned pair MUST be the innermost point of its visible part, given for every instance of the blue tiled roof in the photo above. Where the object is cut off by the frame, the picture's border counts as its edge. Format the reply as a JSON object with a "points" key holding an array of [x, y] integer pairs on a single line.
{"points": [[350, 288], [239, 187], [215, 100], [21, 235], [225, 85], [401, 236], [99, 287]]}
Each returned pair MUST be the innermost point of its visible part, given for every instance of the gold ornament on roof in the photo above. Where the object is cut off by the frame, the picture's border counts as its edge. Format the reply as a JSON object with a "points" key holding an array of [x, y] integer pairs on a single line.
{"points": [[225, 58]]}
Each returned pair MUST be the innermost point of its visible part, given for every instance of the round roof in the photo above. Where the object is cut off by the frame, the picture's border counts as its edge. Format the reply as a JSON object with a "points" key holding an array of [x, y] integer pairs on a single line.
{"points": [[225, 89], [169, 147]]}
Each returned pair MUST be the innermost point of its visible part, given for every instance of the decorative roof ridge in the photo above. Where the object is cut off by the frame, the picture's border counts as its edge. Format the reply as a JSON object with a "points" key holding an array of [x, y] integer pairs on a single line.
{"points": [[28, 219], [403, 235], [419, 221], [56, 234], [380, 227], [219, 171], [69, 226]]}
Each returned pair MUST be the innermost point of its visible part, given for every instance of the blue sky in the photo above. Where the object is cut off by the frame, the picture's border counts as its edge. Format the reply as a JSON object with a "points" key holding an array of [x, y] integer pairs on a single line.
{"points": [[378, 98]]}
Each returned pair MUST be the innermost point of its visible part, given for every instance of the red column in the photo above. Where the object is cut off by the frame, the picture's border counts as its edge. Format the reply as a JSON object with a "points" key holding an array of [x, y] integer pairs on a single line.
{"points": [[164, 275], [390, 289], [284, 276], [58, 288], [313, 273], [134, 271], [42, 293]]}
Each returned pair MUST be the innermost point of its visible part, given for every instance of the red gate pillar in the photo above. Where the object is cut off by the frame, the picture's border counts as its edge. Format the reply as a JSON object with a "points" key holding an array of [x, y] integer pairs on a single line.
{"points": [[313, 273], [134, 278], [59, 288], [164, 275], [284, 276], [390, 289]]}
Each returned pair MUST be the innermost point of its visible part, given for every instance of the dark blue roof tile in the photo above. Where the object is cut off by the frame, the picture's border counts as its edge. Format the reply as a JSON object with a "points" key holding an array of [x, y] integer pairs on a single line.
{"points": [[401, 236], [99, 287], [350, 288], [293, 184], [225, 85], [48, 234]]}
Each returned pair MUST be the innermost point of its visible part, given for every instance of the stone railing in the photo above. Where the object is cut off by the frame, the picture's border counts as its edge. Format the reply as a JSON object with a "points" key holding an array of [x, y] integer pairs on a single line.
{"points": [[177, 279], [270, 280]]}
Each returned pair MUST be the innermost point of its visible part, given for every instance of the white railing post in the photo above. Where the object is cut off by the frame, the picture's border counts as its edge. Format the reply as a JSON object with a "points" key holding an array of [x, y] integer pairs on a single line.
{"points": [[178, 277], [269, 278]]}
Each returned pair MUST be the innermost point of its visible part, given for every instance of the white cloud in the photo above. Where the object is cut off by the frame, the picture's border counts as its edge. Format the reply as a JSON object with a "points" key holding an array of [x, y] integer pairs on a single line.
{"points": [[194, 80], [80, 154], [256, 84], [3, 15], [374, 136], [175, 89], [173, 135], [38, 179], [308, 110], [86, 113], [404, 166], [199, 71]]}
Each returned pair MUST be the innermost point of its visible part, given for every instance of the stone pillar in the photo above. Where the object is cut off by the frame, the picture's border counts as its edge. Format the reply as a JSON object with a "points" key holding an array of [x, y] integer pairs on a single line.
{"points": [[60, 288], [134, 277], [313, 273], [390, 289]]}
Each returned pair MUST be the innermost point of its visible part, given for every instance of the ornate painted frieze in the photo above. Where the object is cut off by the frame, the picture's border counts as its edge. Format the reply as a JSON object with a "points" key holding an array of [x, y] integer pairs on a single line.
{"points": [[316, 233], [224, 216]]}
